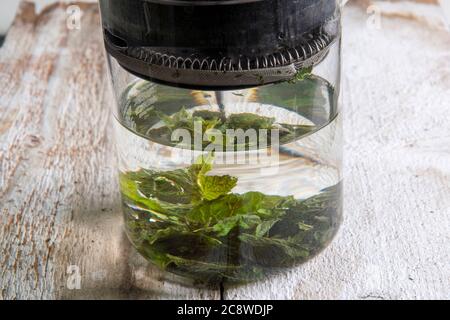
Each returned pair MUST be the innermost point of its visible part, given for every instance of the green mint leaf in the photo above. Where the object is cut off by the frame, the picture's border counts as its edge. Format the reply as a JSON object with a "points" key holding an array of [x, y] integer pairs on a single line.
{"points": [[247, 121], [224, 227], [263, 229], [208, 213], [265, 206], [174, 187], [244, 222], [212, 187]]}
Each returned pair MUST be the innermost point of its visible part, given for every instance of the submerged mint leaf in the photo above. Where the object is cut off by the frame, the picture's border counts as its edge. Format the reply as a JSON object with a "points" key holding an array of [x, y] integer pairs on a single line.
{"points": [[176, 231], [208, 115], [207, 271], [288, 248], [247, 121], [224, 227], [130, 190], [208, 213], [172, 186], [180, 120], [212, 123], [265, 206], [212, 187], [201, 167]]}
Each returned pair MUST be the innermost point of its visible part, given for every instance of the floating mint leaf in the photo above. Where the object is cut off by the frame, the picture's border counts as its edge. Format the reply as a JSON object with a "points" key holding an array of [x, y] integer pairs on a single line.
{"points": [[212, 187], [208, 213], [264, 228], [247, 121], [243, 222]]}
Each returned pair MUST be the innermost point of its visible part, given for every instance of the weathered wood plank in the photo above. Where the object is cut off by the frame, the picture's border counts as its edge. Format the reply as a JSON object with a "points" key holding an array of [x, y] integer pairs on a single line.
{"points": [[394, 243], [59, 205], [59, 208]]}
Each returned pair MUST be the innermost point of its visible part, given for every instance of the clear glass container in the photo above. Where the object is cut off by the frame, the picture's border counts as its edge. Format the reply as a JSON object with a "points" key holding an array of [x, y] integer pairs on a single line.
{"points": [[230, 184]]}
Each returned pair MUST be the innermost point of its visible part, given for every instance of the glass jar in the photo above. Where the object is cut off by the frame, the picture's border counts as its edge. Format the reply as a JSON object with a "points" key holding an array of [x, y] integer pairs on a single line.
{"points": [[228, 180]]}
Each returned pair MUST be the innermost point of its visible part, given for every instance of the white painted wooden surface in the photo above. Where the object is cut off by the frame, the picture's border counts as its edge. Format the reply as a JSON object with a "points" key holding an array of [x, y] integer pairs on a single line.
{"points": [[395, 242], [59, 207]]}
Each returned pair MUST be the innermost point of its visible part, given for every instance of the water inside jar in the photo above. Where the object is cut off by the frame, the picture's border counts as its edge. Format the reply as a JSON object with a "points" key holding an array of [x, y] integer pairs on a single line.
{"points": [[206, 206]]}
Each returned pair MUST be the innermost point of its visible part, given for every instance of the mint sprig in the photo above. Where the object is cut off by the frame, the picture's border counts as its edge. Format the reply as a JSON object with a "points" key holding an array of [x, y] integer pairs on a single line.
{"points": [[189, 222]]}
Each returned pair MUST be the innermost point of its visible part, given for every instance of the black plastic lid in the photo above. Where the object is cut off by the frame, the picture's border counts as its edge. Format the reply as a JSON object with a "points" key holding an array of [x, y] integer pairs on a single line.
{"points": [[214, 35], [202, 2]]}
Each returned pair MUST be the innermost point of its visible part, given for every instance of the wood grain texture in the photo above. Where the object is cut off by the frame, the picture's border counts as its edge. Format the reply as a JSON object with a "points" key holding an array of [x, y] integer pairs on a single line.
{"points": [[394, 243], [59, 198], [59, 207]]}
